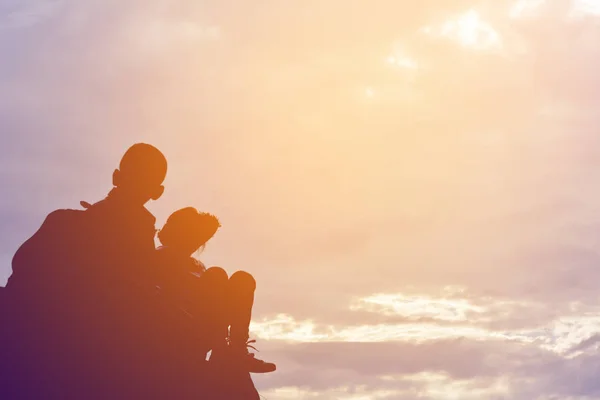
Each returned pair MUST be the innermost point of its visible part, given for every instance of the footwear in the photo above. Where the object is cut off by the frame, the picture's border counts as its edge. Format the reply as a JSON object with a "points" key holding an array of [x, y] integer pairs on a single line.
{"points": [[240, 356], [253, 364]]}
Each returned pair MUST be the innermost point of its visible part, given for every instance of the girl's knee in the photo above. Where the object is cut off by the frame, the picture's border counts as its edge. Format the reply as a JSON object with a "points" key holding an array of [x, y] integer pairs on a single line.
{"points": [[215, 275], [242, 280]]}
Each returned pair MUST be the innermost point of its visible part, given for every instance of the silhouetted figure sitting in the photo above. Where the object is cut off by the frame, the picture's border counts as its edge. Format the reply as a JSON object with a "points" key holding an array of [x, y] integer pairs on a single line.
{"points": [[221, 305], [74, 287]]}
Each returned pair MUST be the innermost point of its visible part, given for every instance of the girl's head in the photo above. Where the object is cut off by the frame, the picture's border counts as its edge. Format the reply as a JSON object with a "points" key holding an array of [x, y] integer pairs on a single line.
{"points": [[187, 230]]}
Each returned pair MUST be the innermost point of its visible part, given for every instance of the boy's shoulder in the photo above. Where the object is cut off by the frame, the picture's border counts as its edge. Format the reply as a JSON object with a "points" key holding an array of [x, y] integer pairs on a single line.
{"points": [[64, 217], [109, 206]]}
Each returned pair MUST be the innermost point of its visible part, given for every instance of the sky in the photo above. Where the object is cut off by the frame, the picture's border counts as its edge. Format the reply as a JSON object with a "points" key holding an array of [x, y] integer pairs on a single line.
{"points": [[412, 183]]}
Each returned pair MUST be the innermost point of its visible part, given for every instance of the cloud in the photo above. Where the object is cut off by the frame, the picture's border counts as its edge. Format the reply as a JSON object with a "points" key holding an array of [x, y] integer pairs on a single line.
{"points": [[469, 356], [581, 8], [345, 393], [408, 369], [429, 320], [469, 30], [488, 369], [418, 307], [526, 8]]}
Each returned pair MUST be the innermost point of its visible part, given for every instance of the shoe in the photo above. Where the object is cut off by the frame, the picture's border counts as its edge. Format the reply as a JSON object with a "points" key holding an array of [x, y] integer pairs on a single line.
{"points": [[240, 356], [253, 364]]}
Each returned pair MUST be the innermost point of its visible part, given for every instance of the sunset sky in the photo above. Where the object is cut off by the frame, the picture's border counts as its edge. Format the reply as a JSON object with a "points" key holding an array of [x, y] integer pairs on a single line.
{"points": [[412, 183]]}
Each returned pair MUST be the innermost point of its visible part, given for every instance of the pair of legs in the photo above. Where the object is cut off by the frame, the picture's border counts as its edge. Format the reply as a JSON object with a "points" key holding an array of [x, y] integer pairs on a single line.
{"points": [[224, 308], [224, 305]]}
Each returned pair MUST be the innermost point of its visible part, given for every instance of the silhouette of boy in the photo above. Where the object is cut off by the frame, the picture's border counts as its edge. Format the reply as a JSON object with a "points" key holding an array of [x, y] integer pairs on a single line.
{"points": [[72, 283], [222, 305], [118, 226]]}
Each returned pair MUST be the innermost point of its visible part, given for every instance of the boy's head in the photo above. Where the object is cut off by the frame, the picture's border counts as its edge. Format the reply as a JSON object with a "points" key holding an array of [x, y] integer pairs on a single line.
{"points": [[141, 173], [187, 230]]}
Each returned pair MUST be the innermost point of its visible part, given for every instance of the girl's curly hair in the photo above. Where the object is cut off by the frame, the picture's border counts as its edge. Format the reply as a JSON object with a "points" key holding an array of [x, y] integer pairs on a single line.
{"points": [[188, 229]]}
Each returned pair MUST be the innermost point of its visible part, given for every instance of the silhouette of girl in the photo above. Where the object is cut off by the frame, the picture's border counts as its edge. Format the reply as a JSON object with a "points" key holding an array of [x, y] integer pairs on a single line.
{"points": [[220, 305]]}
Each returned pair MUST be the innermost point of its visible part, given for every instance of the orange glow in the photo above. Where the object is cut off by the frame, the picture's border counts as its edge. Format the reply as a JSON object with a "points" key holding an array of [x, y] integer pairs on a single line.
{"points": [[415, 173]]}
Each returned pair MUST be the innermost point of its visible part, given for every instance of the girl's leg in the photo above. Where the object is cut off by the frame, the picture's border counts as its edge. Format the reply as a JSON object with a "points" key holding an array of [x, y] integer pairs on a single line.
{"points": [[240, 299], [212, 306]]}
